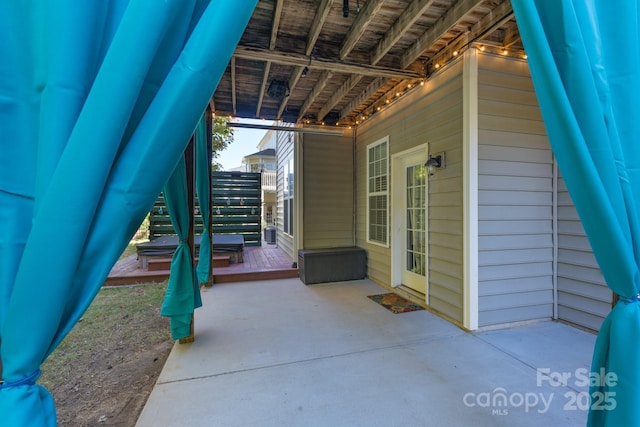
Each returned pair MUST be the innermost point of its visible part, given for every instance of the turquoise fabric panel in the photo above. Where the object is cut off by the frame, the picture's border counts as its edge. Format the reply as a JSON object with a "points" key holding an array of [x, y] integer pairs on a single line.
{"points": [[203, 188], [183, 293], [583, 57], [88, 147]]}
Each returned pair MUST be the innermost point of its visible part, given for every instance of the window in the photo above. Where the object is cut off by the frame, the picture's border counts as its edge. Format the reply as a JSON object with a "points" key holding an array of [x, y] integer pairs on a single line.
{"points": [[288, 177], [377, 192]]}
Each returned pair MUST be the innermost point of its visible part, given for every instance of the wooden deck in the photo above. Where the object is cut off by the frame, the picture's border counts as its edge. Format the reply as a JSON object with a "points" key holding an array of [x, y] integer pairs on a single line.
{"points": [[260, 263]]}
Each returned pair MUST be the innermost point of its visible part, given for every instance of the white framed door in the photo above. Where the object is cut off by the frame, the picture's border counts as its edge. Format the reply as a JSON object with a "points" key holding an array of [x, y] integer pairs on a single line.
{"points": [[409, 219]]}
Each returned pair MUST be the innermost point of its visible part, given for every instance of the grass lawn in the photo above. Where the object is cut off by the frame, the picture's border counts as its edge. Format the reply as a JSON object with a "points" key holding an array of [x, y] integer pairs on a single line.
{"points": [[105, 368]]}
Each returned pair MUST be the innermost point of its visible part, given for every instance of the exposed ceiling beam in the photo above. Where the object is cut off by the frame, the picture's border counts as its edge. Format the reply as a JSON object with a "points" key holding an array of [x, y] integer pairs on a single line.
{"points": [[258, 54], [410, 15], [450, 19], [233, 85], [317, 89], [360, 24], [441, 27], [277, 12], [346, 87], [511, 36], [402, 25], [351, 38], [285, 128], [316, 26], [263, 86], [314, 33], [487, 25], [363, 96]]}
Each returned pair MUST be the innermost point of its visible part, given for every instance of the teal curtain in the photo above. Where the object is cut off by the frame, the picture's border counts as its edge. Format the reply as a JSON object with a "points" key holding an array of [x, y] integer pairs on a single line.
{"points": [[97, 103], [203, 189], [584, 57], [183, 293]]}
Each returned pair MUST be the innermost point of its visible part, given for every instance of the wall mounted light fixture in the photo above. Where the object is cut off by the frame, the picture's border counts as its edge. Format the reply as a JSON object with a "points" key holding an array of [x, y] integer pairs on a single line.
{"points": [[435, 162]]}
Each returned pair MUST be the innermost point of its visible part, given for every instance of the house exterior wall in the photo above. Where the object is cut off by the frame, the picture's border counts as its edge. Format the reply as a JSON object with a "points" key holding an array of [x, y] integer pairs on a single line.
{"points": [[428, 114], [533, 259], [285, 150], [515, 197], [583, 296], [328, 191]]}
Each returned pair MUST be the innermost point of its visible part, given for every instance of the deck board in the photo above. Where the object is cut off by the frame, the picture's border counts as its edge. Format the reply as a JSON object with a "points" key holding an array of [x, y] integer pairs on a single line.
{"points": [[260, 263]]}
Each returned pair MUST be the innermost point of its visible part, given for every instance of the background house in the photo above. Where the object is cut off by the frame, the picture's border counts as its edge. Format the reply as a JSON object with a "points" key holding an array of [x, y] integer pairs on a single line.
{"points": [[264, 161], [502, 240]]}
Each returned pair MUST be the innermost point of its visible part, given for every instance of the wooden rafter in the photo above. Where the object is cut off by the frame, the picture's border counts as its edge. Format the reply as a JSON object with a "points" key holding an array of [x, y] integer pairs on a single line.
{"points": [[277, 13], [317, 89], [258, 54], [349, 84], [359, 26], [263, 86], [233, 85], [402, 25], [489, 23], [327, 43], [363, 96], [511, 37], [450, 19], [351, 38], [314, 33], [411, 14]]}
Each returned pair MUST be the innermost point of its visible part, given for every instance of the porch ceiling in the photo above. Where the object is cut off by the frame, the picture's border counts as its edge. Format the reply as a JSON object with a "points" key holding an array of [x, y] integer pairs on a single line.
{"points": [[303, 61]]}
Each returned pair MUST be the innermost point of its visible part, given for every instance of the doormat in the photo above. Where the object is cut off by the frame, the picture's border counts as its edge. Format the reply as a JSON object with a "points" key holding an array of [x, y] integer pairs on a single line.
{"points": [[395, 303]]}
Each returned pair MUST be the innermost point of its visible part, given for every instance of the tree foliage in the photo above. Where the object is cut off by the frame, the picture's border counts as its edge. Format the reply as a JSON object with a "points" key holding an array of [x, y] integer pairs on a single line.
{"points": [[222, 136]]}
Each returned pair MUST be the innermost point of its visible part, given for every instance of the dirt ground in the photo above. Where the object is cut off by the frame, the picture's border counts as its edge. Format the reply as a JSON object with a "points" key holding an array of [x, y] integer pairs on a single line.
{"points": [[104, 371]]}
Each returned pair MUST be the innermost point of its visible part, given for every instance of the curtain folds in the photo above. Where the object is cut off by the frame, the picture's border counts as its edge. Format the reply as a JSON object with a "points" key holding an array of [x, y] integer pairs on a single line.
{"points": [[97, 103], [584, 61], [203, 189], [183, 293]]}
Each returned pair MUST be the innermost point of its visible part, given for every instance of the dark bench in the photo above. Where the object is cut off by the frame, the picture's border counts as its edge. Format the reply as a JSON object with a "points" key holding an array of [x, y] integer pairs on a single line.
{"points": [[230, 244], [165, 246], [331, 264]]}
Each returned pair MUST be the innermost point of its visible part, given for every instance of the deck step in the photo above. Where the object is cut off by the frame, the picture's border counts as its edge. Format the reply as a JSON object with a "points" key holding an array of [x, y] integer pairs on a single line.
{"points": [[247, 276], [158, 264], [162, 264], [220, 261]]}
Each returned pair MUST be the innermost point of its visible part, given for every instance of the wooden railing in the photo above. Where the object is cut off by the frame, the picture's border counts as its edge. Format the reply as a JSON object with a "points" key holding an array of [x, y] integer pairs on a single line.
{"points": [[268, 181]]}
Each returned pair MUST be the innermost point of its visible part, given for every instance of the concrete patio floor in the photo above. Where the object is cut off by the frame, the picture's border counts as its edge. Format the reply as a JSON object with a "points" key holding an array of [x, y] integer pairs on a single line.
{"points": [[279, 353]]}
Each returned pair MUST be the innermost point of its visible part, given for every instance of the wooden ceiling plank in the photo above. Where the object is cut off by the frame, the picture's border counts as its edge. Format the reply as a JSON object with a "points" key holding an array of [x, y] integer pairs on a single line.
{"points": [[443, 25], [410, 15], [258, 54], [360, 24]]}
